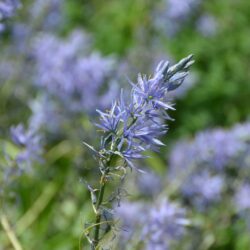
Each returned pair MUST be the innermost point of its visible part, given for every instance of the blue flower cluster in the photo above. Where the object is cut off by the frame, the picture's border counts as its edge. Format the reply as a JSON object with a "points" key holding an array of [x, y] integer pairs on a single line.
{"points": [[50, 13], [132, 127], [203, 188], [207, 25], [203, 168], [158, 226], [241, 199], [149, 184], [132, 216], [73, 76], [31, 147], [172, 15], [166, 222], [20, 157], [8, 9], [44, 109]]}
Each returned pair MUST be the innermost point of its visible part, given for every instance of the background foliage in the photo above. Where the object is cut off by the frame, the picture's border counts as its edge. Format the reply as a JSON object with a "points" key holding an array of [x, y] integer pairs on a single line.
{"points": [[49, 205]]}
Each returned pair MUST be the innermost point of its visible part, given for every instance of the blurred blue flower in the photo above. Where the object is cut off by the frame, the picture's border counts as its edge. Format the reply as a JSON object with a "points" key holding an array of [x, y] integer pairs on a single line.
{"points": [[2, 27], [202, 189], [131, 215], [172, 14], [157, 225], [165, 223], [204, 167], [45, 115], [8, 8], [216, 149], [30, 143], [241, 131], [49, 13], [207, 25], [179, 9], [73, 75], [149, 183], [241, 199]]}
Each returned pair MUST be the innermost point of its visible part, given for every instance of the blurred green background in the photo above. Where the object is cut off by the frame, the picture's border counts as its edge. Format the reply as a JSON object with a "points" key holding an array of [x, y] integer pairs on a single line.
{"points": [[49, 206]]}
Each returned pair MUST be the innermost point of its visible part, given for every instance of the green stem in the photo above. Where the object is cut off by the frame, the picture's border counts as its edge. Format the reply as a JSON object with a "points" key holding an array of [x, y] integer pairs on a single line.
{"points": [[101, 196], [10, 233], [99, 215]]}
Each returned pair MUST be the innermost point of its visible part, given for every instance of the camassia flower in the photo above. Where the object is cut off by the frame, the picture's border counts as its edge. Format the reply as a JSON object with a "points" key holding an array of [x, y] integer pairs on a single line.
{"points": [[30, 142], [165, 224], [74, 76], [8, 8], [133, 126]]}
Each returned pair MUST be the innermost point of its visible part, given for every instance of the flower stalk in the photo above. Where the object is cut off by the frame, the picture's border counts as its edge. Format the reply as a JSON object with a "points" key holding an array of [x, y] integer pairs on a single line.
{"points": [[10, 233], [130, 128], [98, 214]]}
